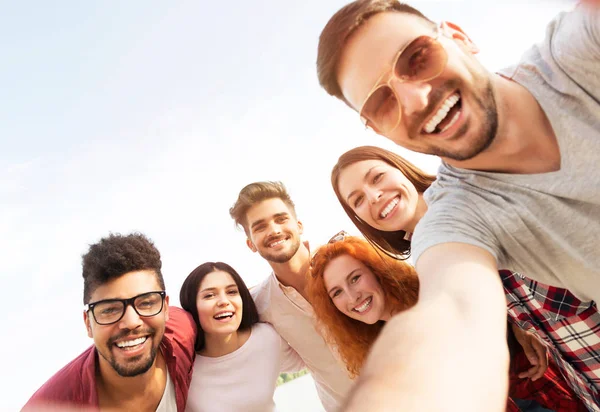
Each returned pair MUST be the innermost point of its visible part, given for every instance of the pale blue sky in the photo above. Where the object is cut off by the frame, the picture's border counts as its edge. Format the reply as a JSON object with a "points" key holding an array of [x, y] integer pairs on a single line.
{"points": [[151, 116]]}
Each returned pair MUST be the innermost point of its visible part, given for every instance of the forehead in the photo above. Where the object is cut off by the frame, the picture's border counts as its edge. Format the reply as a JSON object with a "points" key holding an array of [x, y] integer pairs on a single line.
{"points": [[216, 279], [352, 176], [127, 286], [338, 268], [266, 210], [369, 52]]}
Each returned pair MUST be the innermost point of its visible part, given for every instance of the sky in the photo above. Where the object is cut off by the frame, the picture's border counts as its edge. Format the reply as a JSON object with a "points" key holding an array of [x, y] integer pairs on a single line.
{"points": [[150, 116]]}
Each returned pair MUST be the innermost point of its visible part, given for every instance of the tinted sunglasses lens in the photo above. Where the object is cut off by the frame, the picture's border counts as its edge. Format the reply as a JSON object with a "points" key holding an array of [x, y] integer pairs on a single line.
{"points": [[423, 59], [381, 109]]}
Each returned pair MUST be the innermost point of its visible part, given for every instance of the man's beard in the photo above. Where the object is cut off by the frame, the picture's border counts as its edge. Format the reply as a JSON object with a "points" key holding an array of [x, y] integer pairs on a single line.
{"points": [[137, 365], [282, 257], [128, 371], [484, 97]]}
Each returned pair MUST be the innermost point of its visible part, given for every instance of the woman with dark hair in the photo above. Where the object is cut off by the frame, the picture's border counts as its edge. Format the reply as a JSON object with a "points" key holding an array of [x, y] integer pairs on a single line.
{"points": [[383, 196], [238, 359]]}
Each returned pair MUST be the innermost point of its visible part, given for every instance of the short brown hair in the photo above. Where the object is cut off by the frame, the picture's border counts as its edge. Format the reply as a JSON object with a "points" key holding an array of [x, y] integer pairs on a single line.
{"points": [[391, 243], [257, 192], [338, 30]]}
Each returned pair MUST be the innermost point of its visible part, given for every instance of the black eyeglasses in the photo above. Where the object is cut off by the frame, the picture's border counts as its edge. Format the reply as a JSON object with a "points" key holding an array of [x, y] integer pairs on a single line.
{"points": [[109, 311], [338, 237]]}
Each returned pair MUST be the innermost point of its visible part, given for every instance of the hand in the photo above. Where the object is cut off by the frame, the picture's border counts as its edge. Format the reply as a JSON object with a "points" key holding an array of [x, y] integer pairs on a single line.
{"points": [[535, 350]]}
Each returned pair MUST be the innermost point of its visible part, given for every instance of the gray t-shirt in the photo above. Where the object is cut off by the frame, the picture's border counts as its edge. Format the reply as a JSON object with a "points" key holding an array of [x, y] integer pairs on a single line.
{"points": [[545, 225]]}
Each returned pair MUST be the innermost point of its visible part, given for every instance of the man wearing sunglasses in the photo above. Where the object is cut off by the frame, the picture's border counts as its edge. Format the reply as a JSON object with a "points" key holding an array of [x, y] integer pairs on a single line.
{"points": [[518, 187], [143, 349]]}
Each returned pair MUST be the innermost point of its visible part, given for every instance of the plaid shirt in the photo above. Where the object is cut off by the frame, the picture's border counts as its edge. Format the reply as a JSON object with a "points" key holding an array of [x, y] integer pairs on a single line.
{"points": [[571, 329], [550, 391]]}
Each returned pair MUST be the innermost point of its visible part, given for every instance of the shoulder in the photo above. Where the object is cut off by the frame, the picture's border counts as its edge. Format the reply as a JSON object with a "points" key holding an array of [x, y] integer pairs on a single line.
{"points": [[180, 332], [262, 294], [458, 212], [582, 25], [180, 324], [74, 384], [265, 331]]}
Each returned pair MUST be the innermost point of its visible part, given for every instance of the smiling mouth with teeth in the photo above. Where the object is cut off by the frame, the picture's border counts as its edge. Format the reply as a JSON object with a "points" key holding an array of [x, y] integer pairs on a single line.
{"points": [[447, 114], [131, 344], [364, 305], [223, 315], [390, 206], [277, 243]]}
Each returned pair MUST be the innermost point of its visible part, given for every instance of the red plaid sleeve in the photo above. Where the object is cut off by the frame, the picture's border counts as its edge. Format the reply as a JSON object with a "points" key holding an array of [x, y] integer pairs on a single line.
{"points": [[570, 328], [551, 390]]}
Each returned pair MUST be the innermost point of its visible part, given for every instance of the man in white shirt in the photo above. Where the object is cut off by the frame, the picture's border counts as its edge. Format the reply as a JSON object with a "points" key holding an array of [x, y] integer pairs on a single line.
{"points": [[268, 216]]}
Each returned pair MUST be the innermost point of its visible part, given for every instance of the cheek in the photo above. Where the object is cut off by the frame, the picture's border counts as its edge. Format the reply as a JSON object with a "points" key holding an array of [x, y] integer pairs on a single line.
{"points": [[238, 303], [204, 314], [339, 304], [364, 213]]}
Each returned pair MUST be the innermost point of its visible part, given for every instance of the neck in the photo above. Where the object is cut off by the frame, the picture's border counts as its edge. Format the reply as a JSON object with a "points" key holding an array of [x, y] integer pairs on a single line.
{"points": [[294, 272], [216, 345], [525, 141], [419, 213], [115, 389]]}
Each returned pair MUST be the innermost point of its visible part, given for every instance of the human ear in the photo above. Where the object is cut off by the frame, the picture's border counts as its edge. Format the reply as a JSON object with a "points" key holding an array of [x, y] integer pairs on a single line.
{"points": [[166, 308], [88, 326], [457, 34], [251, 245]]}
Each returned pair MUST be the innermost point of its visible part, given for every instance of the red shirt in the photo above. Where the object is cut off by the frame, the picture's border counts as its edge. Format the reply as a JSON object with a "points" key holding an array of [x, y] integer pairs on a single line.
{"points": [[550, 391], [75, 384]]}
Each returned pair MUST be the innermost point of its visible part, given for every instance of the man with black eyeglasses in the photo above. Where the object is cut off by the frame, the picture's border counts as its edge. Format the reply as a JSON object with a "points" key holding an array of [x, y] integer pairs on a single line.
{"points": [[143, 349]]}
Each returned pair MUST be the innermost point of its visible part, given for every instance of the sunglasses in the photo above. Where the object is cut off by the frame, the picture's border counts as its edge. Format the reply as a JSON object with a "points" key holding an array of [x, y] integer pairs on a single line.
{"points": [[338, 237], [423, 59]]}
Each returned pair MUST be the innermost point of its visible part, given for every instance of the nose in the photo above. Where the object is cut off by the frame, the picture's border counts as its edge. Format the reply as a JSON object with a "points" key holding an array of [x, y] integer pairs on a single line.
{"points": [[274, 229], [222, 300], [373, 194], [413, 96], [130, 319], [355, 297]]}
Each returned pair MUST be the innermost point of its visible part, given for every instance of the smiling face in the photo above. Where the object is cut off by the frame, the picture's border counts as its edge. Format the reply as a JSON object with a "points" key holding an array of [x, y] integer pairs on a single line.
{"points": [[354, 290], [274, 231], [130, 345], [219, 304], [380, 195], [452, 115]]}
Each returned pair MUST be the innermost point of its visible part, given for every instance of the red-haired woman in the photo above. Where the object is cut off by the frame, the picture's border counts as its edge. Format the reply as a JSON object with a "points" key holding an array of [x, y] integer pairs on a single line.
{"points": [[367, 172]]}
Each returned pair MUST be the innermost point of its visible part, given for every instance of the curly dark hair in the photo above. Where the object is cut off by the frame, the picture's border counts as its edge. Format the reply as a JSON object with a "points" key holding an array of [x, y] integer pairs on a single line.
{"points": [[116, 255]]}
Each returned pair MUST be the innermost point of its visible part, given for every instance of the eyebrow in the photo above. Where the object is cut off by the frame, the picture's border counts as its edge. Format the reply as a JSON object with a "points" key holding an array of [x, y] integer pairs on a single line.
{"points": [[275, 216], [365, 178], [211, 289], [347, 276]]}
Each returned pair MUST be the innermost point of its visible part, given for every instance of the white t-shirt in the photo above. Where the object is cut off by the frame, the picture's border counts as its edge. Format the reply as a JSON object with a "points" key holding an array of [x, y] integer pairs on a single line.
{"points": [[168, 403], [243, 380]]}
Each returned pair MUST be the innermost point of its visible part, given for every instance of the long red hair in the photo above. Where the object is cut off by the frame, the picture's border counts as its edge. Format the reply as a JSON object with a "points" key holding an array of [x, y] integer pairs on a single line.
{"points": [[350, 337]]}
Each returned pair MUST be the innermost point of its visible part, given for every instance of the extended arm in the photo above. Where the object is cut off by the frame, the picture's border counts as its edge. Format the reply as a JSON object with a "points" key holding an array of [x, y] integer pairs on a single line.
{"points": [[449, 352], [290, 360]]}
